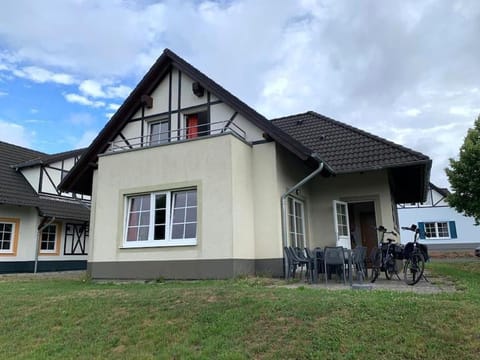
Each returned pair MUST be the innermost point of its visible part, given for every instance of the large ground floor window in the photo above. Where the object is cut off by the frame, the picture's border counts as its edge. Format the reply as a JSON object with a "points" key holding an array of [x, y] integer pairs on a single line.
{"points": [[161, 219]]}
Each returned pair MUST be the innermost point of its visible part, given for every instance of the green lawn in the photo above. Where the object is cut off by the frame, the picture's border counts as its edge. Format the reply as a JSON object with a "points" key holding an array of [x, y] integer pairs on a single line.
{"points": [[237, 319]]}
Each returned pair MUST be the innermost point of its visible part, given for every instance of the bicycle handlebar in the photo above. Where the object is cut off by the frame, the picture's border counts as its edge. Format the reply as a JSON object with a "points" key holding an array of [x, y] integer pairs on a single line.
{"points": [[412, 227]]}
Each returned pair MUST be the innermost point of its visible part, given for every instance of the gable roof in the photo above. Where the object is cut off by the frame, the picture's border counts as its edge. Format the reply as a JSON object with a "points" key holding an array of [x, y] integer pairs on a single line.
{"points": [[346, 148], [80, 177], [15, 189], [46, 159]]}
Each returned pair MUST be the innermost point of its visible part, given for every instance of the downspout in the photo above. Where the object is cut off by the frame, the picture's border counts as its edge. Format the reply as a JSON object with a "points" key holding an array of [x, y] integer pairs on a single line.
{"points": [[284, 202], [39, 231]]}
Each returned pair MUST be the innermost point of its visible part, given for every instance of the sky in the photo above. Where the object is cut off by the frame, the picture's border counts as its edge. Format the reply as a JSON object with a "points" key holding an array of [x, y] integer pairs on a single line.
{"points": [[408, 71]]}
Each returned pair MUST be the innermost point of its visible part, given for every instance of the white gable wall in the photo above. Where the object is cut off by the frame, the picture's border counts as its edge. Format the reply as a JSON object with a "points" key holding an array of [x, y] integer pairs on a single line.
{"points": [[182, 102]]}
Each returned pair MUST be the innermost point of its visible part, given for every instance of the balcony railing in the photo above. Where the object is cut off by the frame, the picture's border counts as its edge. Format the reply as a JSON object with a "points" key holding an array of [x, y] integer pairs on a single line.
{"points": [[182, 134]]}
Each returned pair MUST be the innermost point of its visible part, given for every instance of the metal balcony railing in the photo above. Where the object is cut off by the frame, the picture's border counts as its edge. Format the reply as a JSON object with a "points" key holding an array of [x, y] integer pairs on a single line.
{"points": [[182, 134]]}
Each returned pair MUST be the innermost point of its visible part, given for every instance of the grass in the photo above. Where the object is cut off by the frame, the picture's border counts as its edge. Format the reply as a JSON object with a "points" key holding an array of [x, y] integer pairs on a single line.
{"points": [[237, 319]]}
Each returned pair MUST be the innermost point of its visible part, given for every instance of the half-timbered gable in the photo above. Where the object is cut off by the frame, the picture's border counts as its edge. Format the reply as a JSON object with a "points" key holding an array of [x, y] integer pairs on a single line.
{"points": [[42, 228]]}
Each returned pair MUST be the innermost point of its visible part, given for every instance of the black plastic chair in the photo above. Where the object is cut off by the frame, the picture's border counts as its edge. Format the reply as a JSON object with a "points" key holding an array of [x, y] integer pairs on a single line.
{"points": [[334, 258], [291, 263], [360, 262], [300, 260]]}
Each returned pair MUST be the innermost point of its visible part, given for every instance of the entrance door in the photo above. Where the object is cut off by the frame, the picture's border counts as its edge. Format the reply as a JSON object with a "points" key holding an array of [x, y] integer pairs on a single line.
{"points": [[342, 227], [369, 234]]}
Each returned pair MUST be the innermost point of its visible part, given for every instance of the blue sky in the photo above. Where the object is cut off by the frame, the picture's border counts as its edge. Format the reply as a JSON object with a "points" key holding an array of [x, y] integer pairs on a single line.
{"points": [[407, 71]]}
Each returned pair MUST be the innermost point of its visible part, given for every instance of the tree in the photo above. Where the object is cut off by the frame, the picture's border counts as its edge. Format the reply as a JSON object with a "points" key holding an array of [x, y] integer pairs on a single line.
{"points": [[464, 175]]}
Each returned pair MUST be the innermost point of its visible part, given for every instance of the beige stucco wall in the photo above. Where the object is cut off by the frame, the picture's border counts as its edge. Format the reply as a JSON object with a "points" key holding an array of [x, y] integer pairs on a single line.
{"points": [[369, 186], [28, 217], [208, 164]]}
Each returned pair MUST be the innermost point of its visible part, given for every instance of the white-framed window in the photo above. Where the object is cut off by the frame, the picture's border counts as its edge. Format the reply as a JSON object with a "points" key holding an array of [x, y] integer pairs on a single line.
{"points": [[9, 228], [163, 218], [296, 222], [159, 132], [49, 239], [437, 230], [7, 231]]}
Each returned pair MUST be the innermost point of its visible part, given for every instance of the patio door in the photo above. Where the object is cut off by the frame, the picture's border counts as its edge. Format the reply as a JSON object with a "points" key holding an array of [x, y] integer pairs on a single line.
{"points": [[296, 223], [342, 226]]}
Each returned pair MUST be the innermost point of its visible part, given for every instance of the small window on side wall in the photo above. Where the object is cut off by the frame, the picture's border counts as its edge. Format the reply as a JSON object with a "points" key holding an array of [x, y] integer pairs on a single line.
{"points": [[9, 228], [49, 239]]}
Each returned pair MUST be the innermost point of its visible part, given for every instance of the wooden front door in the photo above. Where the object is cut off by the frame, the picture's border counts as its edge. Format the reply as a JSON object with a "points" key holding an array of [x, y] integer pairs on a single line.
{"points": [[369, 234]]}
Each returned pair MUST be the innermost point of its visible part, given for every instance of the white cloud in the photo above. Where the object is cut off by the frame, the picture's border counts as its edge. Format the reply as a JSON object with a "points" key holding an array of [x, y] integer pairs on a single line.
{"points": [[82, 100], [3, 93], [91, 88], [41, 75], [120, 91], [15, 134], [413, 112], [113, 107], [109, 115]]}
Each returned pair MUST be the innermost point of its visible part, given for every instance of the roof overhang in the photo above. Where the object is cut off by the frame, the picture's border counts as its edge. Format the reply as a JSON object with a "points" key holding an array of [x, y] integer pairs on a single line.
{"points": [[409, 183]]}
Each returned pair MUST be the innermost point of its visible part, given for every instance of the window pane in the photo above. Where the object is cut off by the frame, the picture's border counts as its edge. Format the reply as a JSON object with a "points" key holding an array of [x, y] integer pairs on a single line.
{"points": [[190, 231], [146, 202], [177, 231], [178, 216], [160, 201], [132, 234], [299, 225], [8, 228], [160, 217], [144, 218], [191, 215], [192, 198], [6, 245], [143, 233], [180, 199], [134, 219], [159, 232], [43, 246], [135, 203]]}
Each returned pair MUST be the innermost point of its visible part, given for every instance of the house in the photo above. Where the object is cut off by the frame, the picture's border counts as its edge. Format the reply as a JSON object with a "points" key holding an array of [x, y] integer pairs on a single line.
{"points": [[441, 226], [41, 228], [188, 181]]}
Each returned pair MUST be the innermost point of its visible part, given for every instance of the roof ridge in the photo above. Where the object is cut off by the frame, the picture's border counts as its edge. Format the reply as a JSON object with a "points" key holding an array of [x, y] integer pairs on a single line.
{"points": [[368, 134]]}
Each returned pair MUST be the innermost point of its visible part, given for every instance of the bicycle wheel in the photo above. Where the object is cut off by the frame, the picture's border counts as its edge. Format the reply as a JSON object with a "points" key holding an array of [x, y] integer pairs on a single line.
{"points": [[414, 267], [376, 257], [391, 268]]}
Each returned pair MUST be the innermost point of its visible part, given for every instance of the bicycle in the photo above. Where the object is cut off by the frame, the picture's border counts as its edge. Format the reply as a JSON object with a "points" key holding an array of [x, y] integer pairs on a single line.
{"points": [[384, 257], [415, 254]]}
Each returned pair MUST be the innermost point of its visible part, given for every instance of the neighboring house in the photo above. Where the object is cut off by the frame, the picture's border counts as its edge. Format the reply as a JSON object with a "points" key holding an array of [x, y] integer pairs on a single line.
{"points": [[441, 226], [187, 181], [40, 227]]}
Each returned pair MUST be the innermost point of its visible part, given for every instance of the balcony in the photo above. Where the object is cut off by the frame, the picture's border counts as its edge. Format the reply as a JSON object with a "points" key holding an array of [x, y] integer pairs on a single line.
{"points": [[189, 133]]}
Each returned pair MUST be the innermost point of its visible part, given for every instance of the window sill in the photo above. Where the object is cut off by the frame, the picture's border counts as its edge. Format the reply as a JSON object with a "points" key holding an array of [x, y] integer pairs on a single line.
{"points": [[159, 245]]}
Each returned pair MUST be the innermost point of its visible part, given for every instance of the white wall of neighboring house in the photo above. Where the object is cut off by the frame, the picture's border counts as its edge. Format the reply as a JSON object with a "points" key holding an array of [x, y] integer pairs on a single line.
{"points": [[462, 232]]}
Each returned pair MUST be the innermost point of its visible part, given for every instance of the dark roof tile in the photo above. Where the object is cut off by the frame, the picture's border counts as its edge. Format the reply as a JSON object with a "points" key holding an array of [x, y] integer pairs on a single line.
{"points": [[15, 189], [344, 147]]}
